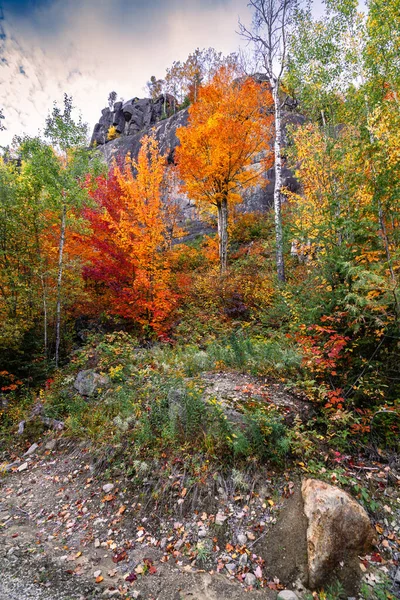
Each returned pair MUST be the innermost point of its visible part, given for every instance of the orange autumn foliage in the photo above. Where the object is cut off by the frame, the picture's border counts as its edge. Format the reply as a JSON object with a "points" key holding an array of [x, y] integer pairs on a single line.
{"points": [[129, 256], [229, 127]]}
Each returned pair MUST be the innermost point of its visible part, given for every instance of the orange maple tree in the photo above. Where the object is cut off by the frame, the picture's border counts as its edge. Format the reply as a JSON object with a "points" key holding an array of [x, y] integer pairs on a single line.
{"points": [[229, 126], [129, 240]]}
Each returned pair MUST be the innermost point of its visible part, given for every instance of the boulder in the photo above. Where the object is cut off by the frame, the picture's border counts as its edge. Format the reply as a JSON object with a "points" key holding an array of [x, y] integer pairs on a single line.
{"points": [[287, 595], [338, 529], [88, 382]]}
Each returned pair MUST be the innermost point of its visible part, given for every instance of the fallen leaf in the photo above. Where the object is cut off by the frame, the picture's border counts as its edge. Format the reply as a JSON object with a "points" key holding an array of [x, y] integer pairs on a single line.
{"points": [[118, 557], [108, 498], [139, 569]]}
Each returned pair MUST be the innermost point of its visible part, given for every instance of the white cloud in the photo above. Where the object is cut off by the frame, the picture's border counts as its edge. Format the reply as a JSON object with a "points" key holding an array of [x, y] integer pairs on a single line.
{"points": [[101, 46]]}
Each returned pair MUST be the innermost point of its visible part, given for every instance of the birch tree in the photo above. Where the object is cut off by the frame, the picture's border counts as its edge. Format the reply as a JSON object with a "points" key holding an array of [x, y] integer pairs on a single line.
{"points": [[270, 33], [68, 140]]}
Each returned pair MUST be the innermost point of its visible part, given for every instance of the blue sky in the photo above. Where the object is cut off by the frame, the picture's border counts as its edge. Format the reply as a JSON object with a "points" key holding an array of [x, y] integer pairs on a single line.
{"points": [[87, 48]]}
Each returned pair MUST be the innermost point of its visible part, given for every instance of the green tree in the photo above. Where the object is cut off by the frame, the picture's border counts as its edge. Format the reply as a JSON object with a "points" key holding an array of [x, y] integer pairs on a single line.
{"points": [[325, 66], [382, 49], [62, 176]]}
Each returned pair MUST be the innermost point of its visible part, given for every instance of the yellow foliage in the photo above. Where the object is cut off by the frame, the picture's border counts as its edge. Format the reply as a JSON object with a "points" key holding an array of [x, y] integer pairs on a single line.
{"points": [[112, 133]]}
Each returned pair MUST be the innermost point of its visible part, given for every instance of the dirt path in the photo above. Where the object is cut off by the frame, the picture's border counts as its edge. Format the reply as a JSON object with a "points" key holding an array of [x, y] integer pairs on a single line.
{"points": [[63, 536]]}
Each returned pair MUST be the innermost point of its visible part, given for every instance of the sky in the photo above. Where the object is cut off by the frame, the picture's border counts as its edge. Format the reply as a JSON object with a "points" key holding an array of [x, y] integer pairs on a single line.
{"points": [[87, 48]]}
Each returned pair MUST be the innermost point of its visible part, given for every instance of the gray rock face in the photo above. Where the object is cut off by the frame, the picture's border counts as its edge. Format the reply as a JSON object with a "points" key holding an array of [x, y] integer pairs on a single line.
{"points": [[164, 132], [139, 117], [132, 117], [88, 382]]}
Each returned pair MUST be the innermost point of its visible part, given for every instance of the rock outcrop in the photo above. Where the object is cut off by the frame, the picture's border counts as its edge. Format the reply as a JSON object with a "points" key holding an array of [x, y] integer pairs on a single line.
{"points": [[132, 117], [88, 382], [338, 530], [139, 117]]}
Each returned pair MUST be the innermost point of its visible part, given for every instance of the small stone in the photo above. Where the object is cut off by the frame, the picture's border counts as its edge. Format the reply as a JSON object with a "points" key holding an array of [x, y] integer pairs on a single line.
{"points": [[243, 560], [87, 383], [163, 543], [397, 576], [108, 487], [31, 450], [23, 467], [179, 544], [220, 518], [11, 466], [287, 595], [97, 574], [97, 543], [202, 533], [51, 444], [135, 594], [242, 539], [250, 579], [231, 568]]}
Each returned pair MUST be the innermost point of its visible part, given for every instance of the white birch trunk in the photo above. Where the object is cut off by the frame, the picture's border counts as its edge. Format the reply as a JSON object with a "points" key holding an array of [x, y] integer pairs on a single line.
{"points": [[59, 281], [280, 264], [223, 234], [44, 295]]}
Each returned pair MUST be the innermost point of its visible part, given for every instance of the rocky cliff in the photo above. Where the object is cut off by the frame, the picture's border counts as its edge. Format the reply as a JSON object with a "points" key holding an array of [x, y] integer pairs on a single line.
{"points": [[139, 117]]}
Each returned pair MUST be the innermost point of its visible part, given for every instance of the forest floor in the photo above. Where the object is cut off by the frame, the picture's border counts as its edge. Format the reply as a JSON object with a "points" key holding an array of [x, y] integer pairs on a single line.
{"points": [[73, 527]]}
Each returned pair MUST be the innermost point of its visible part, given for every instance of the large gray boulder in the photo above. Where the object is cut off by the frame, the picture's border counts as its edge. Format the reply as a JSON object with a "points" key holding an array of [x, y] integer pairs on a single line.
{"points": [[88, 382], [339, 530]]}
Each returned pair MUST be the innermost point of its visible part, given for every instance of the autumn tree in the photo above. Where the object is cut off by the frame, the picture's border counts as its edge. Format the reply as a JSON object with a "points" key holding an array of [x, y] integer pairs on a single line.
{"points": [[228, 128], [270, 34], [155, 87], [127, 250], [183, 79]]}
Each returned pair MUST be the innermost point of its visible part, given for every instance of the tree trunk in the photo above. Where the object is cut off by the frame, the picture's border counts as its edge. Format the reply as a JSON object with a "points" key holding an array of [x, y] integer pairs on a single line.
{"points": [[44, 314], [280, 263], [223, 234], [59, 280]]}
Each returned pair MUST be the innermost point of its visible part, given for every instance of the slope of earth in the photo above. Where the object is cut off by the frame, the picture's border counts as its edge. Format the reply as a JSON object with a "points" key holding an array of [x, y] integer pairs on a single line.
{"points": [[67, 534], [78, 521]]}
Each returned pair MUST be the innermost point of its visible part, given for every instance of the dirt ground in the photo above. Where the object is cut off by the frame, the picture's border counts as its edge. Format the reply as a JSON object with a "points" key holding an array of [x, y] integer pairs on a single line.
{"points": [[63, 536], [73, 527]]}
